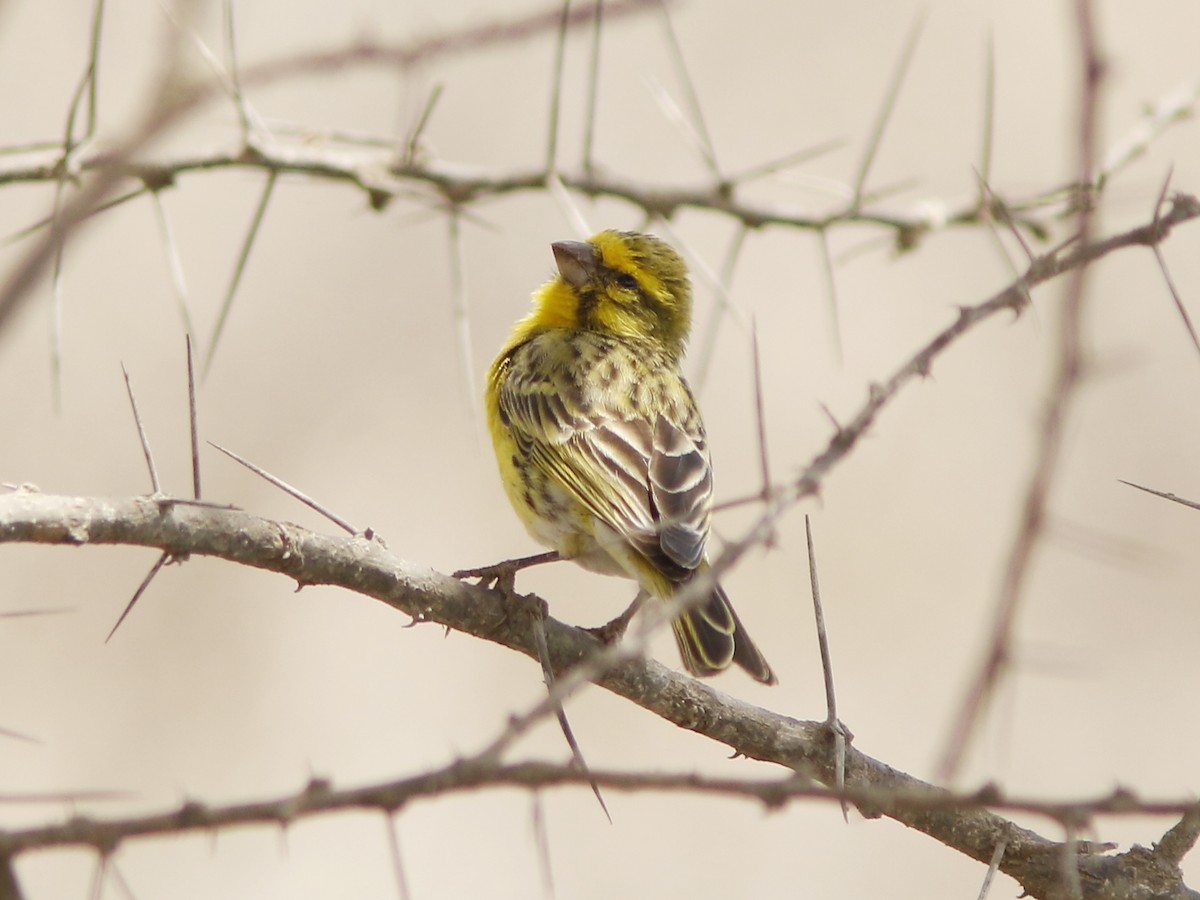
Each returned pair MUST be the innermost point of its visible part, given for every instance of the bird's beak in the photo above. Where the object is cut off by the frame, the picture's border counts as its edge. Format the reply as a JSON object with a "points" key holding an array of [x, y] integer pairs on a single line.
{"points": [[577, 261]]}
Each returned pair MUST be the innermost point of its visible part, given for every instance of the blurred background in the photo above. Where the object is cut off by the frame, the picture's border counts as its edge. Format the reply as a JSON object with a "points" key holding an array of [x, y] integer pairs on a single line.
{"points": [[347, 368]]}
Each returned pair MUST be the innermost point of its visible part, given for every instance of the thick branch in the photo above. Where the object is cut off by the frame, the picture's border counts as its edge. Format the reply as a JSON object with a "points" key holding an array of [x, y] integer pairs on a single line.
{"points": [[366, 567]]}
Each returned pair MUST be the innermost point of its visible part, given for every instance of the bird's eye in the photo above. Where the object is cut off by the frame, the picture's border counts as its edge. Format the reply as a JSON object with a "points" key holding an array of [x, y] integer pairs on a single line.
{"points": [[627, 281]]}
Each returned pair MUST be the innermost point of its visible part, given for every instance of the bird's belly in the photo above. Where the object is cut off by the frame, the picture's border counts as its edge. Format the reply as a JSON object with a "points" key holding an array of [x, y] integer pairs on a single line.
{"points": [[557, 520]]}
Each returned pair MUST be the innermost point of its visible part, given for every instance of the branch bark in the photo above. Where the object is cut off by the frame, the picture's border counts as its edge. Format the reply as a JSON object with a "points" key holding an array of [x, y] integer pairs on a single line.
{"points": [[182, 528]]}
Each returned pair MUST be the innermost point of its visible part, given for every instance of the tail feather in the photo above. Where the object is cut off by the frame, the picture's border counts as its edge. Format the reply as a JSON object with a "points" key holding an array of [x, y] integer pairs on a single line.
{"points": [[711, 638]]}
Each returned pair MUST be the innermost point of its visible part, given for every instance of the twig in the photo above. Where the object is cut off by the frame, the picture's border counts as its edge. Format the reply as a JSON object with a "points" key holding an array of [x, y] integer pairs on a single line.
{"points": [[288, 489], [993, 868], [568, 205], [235, 78], [1166, 272], [1069, 855], [1175, 107], [593, 90], [18, 736], [831, 714], [989, 123], [1166, 496], [560, 52], [413, 141], [141, 589], [10, 888], [462, 314], [174, 261], [1061, 394], [539, 636], [541, 839], [885, 112], [695, 113], [193, 426], [402, 891], [240, 267], [145, 441], [712, 329], [760, 417], [96, 890], [831, 291]]}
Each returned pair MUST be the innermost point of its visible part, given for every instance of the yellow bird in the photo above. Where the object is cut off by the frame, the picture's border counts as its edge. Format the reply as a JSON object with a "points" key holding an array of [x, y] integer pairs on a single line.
{"points": [[600, 443]]}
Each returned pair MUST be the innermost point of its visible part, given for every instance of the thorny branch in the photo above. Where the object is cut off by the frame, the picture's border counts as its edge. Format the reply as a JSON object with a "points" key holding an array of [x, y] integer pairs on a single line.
{"points": [[1060, 397], [961, 821], [181, 528], [177, 97], [366, 567]]}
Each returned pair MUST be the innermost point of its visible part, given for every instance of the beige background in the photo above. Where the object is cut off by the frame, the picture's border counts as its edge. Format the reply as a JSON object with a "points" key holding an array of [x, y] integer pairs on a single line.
{"points": [[342, 371]]}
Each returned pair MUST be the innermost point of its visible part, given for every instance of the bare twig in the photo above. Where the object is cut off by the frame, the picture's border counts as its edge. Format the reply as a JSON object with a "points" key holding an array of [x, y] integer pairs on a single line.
{"points": [[96, 890], [462, 314], [141, 589], [885, 112], [18, 736], [712, 328], [831, 715], [402, 891], [193, 426], [569, 206], [1166, 272], [176, 99], [993, 868], [539, 636], [1175, 107], [1060, 397], [1166, 496], [593, 88], [822, 638], [243, 256], [93, 68], [989, 121], [58, 232], [235, 76], [694, 118], [10, 888], [174, 261], [831, 292], [413, 142], [66, 170], [560, 52], [760, 417], [288, 489], [145, 441], [541, 839]]}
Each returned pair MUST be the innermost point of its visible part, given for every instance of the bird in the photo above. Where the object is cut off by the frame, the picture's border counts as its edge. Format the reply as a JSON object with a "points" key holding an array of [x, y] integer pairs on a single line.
{"points": [[600, 443]]}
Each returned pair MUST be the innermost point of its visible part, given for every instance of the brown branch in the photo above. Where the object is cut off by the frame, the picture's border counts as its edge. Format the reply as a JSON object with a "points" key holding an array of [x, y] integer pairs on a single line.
{"points": [[176, 98], [182, 528], [364, 566], [319, 797], [383, 176], [1061, 395], [1015, 297]]}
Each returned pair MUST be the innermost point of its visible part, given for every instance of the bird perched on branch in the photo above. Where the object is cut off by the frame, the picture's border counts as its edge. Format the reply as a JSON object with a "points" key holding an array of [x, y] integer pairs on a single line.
{"points": [[600, 443]]}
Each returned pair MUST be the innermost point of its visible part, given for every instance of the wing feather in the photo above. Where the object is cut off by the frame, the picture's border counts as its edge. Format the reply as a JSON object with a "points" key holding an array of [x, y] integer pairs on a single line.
{"points": [[646, 476]]}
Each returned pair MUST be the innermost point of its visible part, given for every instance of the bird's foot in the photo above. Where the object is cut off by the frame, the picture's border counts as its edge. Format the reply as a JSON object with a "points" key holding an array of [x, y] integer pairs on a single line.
{"points": [[502, 575], [611, 632]]}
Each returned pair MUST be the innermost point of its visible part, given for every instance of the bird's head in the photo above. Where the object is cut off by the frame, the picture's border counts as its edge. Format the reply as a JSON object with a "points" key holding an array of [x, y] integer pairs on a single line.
{"points": [[622, 283]]}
